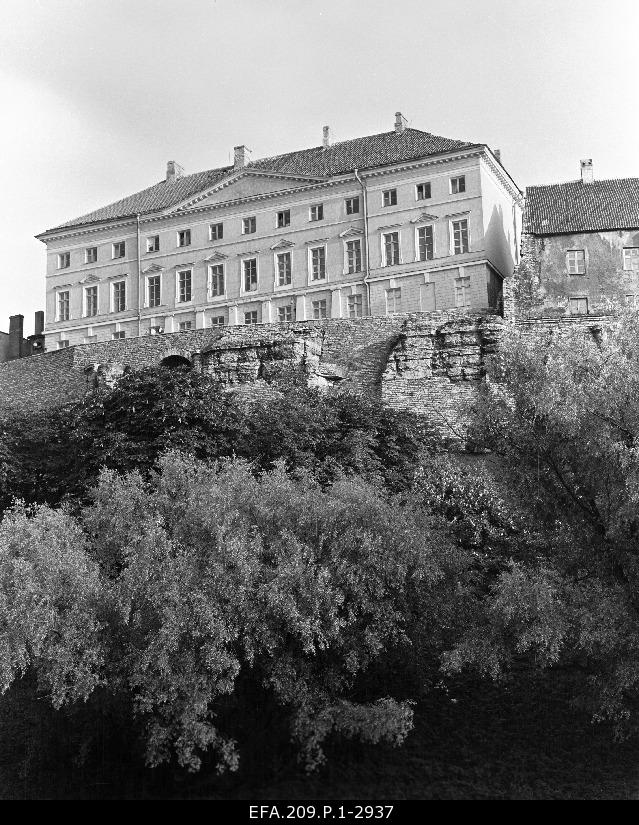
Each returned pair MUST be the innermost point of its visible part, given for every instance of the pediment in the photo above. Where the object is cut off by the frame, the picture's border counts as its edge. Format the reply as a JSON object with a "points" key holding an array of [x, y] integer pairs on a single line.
{"points": [[425, 217], [215, 257], [89, 279], [283, 244], [351, 232], [151, 269]]}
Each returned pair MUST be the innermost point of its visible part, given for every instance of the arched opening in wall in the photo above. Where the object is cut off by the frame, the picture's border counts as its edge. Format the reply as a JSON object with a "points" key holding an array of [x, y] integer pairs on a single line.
{"points": [[173, 362]]}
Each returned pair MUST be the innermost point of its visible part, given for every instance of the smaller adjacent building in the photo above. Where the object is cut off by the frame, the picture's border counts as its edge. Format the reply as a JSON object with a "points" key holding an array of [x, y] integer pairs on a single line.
{"points": [[580, 248], [13, 344]]}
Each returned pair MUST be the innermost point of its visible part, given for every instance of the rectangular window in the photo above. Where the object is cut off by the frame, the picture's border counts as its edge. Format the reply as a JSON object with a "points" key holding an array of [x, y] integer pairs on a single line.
{"points": [[153, 291], [216, 280], [63, 343], [63, 306], [250, 274], [319, 309], [119, 296], [458, 185], [425, 243], [184, 286], [156, 330], [216, 231], [460, 236], [184, 237], [249, 225], [353, 256], [393, 300], [354, 306], [90, 300], [318, 263], [118, 250], [389, 197], [576, 262], [391, 249], [316, 212], [284, 269], [153, 243], [422, 191], [184, 325], [217, 321], [64, 260], [91, 254], [352, 206], [285, 313], [250, 317], [462, 292], [119, 334], [578, 306], [631, 258], [284, 218]]}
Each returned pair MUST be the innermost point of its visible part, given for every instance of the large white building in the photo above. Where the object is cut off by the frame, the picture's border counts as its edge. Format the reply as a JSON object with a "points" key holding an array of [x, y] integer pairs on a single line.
{"points": [[403, 221]]}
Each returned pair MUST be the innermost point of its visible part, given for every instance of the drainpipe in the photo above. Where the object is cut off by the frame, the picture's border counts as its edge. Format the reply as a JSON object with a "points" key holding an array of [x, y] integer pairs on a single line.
{"points": [[137, 221], [366, 256]]}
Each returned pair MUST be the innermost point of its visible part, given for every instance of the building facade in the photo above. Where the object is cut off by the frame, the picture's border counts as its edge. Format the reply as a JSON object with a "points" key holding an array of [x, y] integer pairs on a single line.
{"points": [[14, 345], [404, 221], [580, 248]]}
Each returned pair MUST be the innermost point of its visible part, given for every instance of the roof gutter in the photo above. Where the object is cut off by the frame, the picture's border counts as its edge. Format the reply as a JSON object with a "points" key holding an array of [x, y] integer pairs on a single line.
{"points": [[367, 267]]}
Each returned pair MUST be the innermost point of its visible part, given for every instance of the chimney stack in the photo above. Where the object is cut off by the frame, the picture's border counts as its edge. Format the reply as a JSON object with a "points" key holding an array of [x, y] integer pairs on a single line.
{"points": [[240, 156], [39, 323], [497, 154], [587, 175], [400, 123], [16, 328], [326, 137], [173, 171]]}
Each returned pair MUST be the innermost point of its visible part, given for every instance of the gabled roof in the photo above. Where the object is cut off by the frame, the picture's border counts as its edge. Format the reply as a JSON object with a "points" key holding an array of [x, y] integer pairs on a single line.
{"points": [[323, 162], [582, 207]]}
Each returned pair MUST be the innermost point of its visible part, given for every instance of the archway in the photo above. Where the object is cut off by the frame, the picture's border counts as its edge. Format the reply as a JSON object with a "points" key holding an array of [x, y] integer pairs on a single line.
{"points": [[175, 362]]}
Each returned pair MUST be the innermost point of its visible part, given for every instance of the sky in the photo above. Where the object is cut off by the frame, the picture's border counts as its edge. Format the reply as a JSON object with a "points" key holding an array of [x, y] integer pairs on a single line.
{"points": [[97, 95]]}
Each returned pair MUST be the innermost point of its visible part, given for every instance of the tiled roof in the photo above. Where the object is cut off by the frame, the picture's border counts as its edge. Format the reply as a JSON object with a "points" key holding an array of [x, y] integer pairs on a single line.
{"points": [[582, 207], [360, 153]]}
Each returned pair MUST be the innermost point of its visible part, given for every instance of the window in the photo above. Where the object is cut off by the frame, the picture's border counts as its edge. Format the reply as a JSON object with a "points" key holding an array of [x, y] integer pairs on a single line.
{"points": [[119, 334], [216, 231], [119, 296], [216, 280], [184, 325], [285, 313], [578, 306], [284, 269], [354, 306], [217, 321], [91, 255], [458, 185], [153, 243], [462, 292], [631, 258], [389, 197], [393, 301], [353, 256], [352, 206], [284, 218], [250, 274], [250, 317], [184, 286], [318, 263], [425, 243], [153, 296], [118, 250], [184, 237], [64, 260], [631, 300], [316, 212], [422, 191], [249, 225], [156, 330], [576, 262], [391, 249], [63, 343], [90, 300], [63, 306], [460, 236], [319, 309]]}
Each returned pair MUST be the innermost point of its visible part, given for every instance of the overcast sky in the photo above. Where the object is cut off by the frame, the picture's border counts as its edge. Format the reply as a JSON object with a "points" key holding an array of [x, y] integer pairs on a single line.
{"points": [[97, 95]]}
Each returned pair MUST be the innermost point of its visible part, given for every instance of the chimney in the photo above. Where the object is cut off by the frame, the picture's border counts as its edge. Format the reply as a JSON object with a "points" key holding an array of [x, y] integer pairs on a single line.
{"points": [[39, 323], [173, 171], [497, 154], [326, 137], [400, 123], [240, 156], [587, 175], [16, 324]]}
